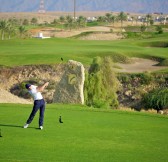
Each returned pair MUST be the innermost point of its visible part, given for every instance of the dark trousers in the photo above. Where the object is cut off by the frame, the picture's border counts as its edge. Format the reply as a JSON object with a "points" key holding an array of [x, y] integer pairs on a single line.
{"points": [[38, 104]]}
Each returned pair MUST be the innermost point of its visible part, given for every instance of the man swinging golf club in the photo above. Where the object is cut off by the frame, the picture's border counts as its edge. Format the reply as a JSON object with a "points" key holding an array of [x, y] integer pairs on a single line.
{"points": [[39, 103]]}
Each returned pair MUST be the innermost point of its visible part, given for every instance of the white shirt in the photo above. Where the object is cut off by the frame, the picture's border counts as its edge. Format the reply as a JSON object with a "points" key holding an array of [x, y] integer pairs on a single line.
{"points": [[35, 94]]}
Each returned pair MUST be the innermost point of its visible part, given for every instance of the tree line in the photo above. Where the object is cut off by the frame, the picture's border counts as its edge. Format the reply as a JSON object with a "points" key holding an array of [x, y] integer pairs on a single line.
{"points": [[14, 27], [17, 27]]}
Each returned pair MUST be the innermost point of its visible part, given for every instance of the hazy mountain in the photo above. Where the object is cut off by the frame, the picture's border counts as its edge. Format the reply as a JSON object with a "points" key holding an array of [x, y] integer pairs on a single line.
{"points": [[142, 6]]}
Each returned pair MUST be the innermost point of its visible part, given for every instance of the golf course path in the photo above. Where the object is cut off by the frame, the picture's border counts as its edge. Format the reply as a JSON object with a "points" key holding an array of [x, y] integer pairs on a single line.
{"points": [[140, 65], [7, 97]]}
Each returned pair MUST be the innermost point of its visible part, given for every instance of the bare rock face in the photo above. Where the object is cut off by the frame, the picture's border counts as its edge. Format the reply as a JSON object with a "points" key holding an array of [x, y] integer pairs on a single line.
{"points": [[70, 87]]}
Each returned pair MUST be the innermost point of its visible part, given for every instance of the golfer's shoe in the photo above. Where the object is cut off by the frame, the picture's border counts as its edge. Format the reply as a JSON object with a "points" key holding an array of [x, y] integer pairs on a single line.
{"points": [[41, 127], [26, 125]]}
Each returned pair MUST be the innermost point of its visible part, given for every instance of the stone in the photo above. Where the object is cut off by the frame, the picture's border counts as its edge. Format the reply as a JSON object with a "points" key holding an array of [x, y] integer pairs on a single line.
{"points": [[71, 86], [128, 93]]}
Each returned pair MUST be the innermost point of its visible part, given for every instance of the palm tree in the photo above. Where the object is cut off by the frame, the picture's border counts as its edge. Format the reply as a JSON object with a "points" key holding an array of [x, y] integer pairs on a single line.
{"points": [[34, 21], [132, 19], [69, 21], [113, 18], [62, 20], [108, 17], [148, 18], [3, 28], [122, 17], [22, 30], [25, 22], [13, 21], [101, 19], [10, 29], [81, 21], [136, 19]]}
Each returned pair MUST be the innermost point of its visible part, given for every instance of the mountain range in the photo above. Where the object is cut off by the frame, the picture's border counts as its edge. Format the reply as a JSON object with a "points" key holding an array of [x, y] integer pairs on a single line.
{"points": [[137, 6]]}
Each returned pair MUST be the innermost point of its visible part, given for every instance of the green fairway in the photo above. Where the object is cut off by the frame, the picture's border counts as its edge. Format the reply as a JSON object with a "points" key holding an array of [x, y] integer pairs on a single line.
{"points": [[49, 51], [87, 135]]}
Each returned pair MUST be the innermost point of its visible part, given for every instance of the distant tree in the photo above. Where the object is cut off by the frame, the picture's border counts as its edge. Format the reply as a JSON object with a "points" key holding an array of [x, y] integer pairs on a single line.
{"points": [[151, 22], [3, 28], [69, 22], [108, 17], [10, 29], [34, 21], [81, 22], [143, 28], [122, 17], [136, 19], [62, 19], [101, 19], [113, 18], [13, 21], [22, 30], [55, 22], [132, 19], [148, 19], [25, 22], [159, 29]]}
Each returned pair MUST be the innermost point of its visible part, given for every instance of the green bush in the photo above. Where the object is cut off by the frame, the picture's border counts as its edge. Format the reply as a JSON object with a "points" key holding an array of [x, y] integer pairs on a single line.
{"points": [[159, 29], [124, 78], [163, 63], [156, 99], [101, 84], [143, 28], [146, 78]]}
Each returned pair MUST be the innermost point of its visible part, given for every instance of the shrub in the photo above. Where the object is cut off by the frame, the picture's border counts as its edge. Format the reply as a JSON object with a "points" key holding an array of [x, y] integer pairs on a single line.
{"points": [[156, 99], [143, 28], [124, 78], [146, 78], [159, 29], [101, 84], [163, 63]]}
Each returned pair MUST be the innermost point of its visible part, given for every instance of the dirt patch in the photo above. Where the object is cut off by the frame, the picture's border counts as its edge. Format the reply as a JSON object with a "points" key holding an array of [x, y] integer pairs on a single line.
{"points": [[140, 65], [7, 97], [102, 36]]}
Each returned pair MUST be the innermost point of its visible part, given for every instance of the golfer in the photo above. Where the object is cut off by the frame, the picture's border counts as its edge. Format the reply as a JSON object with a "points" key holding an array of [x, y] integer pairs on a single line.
{"points": [[39, 103]]}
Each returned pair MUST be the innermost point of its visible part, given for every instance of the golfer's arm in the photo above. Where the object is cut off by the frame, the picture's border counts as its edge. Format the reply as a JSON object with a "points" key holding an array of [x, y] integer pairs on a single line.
{"points": [[41, 88]]}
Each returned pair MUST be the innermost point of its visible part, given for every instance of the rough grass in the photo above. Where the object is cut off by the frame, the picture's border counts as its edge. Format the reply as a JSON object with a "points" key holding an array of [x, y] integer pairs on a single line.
{"points": [[86, 135], [159, 44]]}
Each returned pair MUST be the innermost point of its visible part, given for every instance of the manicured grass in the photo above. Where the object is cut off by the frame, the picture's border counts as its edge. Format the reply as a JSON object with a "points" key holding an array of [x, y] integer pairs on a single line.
{"points": [[49, 51], [86, 135]]}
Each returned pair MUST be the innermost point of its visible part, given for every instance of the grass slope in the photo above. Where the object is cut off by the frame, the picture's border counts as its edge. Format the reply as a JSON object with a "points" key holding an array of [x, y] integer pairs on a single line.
{"points": [[86, 135], [49, 51]]}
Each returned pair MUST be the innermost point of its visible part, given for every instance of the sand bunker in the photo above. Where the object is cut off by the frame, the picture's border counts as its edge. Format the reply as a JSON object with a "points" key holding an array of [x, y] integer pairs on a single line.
{"points": [[7, 97], [140, 65]]}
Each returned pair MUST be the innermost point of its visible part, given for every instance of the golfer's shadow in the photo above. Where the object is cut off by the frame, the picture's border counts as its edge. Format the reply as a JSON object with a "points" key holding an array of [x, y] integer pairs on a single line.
{"points": [[10, 125]]}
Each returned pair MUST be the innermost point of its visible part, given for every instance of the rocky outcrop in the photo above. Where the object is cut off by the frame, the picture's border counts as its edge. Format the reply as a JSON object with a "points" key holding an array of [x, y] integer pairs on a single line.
{"points": [[70, 87], [11, 79]]}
